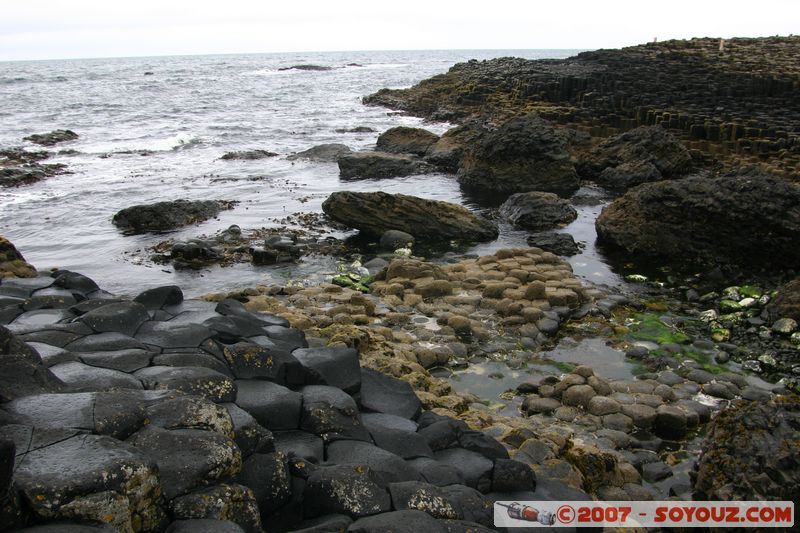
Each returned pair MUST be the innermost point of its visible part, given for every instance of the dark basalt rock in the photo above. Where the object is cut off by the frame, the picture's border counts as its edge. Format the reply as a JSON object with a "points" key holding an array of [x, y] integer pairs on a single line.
{"points": [[324, 153], [644, 154], [190, 379], [761, 439], [21, 370], [708, 221], [204, 525], [104, 342], [379, 421], [337, 367], [247, 360], [437, 473], [175, 410], [408, 521], [476, 469], [224, 503], [385, 394], [122, 317], [509, 475], [187, 458], [248, 155], [377, 212], [275, 407], [54, 137], [380, 165], [75, 282], [234, 308], [268, 477], [249, 435], [406, 444], [345, 489], [787, 302], [537, 211], [80, 377], [524, 154], [166, 335], [387, 466], [324, 524], [160, 296], [307, 67], [331, 413], [558, 243], [302, 444], [405, 140], [122, 360], [66, 475], [163, 216], [483, 444], [192, 358]]}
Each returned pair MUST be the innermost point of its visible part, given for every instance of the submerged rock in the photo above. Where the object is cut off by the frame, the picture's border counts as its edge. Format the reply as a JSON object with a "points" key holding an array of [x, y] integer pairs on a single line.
{"points": [[378, 165], [163, 216], [248, 155], [377, 212], [557, 243], [54, 137], [537, 211], [745, 221], [524, 154]]}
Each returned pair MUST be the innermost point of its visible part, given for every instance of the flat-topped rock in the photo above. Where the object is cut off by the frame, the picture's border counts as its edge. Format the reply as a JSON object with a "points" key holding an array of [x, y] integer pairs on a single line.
{"points": [[377, 212], [162, 216], [191, 379]]}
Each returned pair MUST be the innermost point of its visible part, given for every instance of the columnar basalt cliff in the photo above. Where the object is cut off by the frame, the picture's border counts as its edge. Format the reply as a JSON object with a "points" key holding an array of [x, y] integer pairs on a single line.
{"points": [[736, 96]]}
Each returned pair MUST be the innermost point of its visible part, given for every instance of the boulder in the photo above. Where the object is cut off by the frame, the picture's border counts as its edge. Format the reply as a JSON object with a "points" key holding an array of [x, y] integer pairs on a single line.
{"points": [[558, 243], [476, 469], [81, 377], [302, 444], [751, 452], [641, 155], [54, 137], [158, 297], [787, 302], [537, 211], [743, 221], [164, 216], [247, 360], [12, 264], [524, 154], [379, 165], [405, 140], [323, 153], [393, 239], [449, 150], [248, 155], [377, 212], [121, 317]]}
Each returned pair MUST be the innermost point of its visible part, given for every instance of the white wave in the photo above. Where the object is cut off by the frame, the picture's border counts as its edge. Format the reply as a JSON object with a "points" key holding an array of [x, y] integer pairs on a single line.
{"points": [[178, 141]]}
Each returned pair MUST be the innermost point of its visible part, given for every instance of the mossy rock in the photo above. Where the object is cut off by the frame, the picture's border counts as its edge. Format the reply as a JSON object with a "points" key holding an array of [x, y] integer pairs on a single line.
{"points": [[650, 327]]}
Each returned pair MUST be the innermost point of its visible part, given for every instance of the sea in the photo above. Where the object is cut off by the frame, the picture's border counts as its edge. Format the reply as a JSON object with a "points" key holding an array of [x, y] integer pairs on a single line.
{"points": [[154, 129]]}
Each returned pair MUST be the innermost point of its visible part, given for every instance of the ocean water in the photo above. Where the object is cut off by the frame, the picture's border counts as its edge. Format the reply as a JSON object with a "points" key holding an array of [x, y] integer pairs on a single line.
{"points": [[184, 116]]}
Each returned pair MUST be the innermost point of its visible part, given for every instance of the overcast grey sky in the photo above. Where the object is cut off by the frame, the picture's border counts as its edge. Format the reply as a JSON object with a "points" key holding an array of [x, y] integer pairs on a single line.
{"points": [[36, 29]]}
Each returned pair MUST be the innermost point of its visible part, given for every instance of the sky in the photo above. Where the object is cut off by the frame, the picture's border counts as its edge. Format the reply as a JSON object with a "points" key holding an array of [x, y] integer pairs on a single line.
{"points": [[59, 29]]}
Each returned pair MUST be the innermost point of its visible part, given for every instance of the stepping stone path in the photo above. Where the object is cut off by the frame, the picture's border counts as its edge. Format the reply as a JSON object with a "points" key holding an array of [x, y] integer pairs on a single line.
{"points": [[156, 414]]}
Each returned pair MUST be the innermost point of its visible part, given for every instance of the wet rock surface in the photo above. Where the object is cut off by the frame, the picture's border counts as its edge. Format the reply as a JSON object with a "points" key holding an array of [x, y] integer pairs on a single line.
{"points": [[537, 211], [702, 220], [379, 165], [378, 212], [163, 216]]}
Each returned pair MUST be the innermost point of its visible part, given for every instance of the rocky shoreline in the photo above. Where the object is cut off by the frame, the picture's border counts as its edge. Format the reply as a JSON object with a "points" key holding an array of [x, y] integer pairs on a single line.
{"points": [[338, 406]]}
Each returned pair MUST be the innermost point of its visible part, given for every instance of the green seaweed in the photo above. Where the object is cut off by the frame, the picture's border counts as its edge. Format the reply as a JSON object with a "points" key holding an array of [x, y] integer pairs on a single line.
{"points": [[649, 327]]}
